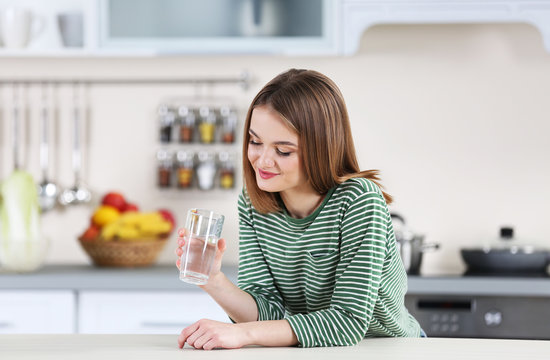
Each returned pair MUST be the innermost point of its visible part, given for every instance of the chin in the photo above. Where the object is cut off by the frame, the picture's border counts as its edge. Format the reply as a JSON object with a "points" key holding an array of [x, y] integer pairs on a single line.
{"points": [[266, 186]]}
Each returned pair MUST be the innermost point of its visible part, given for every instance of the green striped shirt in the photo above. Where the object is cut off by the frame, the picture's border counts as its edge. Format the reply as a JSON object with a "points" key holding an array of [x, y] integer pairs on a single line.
{"points": [[335, 276]]}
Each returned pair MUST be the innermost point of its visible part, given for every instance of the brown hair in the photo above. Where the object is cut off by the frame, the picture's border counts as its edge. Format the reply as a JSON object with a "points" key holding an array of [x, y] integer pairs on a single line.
{"points": [[312, 105]]}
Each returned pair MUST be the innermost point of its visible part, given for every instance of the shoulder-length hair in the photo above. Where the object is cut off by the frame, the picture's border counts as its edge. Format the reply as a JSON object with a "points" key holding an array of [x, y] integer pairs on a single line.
{"points": [[312, 105]]}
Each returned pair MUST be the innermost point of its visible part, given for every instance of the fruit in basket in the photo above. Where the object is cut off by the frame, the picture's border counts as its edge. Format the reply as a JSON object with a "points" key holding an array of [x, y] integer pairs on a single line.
{"points": [[130, 207], [91, 233], [115, 200], [135, 226], [104, 215], [167, 214], [116, 219]]}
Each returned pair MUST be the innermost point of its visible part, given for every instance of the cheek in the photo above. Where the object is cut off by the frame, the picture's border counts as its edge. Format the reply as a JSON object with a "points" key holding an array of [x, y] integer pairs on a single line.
{"points": [[291, 166], [252, 154]]}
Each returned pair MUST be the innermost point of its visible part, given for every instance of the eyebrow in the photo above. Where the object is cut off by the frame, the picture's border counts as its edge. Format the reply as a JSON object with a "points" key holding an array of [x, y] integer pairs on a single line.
{"points": [[276, 142]]}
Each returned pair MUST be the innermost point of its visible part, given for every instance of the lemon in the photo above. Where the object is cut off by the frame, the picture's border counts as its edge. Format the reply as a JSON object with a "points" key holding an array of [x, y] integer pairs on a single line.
{"points": [[104, 215]]}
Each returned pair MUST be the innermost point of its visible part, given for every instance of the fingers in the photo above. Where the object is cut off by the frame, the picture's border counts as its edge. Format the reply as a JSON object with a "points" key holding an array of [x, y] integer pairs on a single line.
{"points": [[210, 344], [192, 339], [185, 333], [222, 245], [181, 232], [181, 243], [201, 340]]}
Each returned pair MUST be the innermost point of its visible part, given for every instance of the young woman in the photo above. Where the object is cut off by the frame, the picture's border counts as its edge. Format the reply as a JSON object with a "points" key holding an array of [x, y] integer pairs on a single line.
{"points": [[318, 264]]}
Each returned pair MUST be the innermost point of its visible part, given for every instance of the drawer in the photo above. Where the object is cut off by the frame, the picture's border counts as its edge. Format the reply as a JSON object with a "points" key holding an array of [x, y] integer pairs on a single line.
{"points": [[46, 312], [138, 312]]}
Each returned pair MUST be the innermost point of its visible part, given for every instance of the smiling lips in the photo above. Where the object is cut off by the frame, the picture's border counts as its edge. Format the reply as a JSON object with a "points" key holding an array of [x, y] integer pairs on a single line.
{"points": [[266, 174]]}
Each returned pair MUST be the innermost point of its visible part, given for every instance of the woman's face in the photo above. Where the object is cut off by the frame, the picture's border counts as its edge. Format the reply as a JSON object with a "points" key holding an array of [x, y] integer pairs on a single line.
{"points": [[274, 153]]}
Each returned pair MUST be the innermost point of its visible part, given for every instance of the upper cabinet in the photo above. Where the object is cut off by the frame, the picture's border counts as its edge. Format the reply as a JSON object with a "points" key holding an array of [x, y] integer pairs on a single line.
{"points": [[281, 27], [359, 15], [218, 26]]}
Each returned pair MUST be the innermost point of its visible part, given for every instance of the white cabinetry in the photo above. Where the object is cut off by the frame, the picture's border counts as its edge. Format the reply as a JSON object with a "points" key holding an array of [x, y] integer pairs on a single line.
{"points": [[359, 15], [46, 312], [141, 312], [289, 27]]}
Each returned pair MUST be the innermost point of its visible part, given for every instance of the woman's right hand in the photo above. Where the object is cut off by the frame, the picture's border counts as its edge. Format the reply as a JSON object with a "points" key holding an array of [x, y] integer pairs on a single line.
{"points": [[216, 266]]}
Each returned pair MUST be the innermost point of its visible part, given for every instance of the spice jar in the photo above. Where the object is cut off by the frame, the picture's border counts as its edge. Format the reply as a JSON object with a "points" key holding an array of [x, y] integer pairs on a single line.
{"points": [[166, 121], [229, 124], [207, 126], [184, 169], [187, 124], [227, 170], [206, 170], [164, 168]]}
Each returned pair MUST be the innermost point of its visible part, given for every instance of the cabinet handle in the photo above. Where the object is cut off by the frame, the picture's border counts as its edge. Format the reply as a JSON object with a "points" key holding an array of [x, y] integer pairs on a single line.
{"points": [[155, 324], [5, 325]]}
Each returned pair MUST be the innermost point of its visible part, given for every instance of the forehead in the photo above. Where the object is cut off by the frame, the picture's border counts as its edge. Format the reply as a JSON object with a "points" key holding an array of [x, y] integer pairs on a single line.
{"points": [[269, 125]]}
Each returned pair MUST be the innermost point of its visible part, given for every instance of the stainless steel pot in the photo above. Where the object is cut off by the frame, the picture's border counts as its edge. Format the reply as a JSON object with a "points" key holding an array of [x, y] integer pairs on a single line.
{"points": [[411, 246]]}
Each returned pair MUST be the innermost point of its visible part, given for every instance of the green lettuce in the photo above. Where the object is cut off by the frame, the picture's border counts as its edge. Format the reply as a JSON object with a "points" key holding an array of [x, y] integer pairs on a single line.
{"points": [[21, 245]]}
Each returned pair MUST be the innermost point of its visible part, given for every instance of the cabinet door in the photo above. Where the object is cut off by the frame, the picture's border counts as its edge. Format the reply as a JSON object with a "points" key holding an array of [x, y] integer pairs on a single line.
{"points": [[137, 312], [46, 312], [219, 26]]}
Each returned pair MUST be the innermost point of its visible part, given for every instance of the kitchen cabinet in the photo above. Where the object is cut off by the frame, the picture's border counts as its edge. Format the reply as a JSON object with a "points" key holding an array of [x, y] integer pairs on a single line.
{"points": [[141, 312], [359, 15], [149, 300], [115, 28], [29, 311], [219, 26]]}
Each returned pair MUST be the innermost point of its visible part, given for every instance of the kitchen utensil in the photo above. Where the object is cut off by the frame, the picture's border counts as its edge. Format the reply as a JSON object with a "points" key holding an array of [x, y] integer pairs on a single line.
{"points": [[261, 17], [71, 29], [19, 26], [411, 246], [78, 193], [48, 191], [506, 259]]}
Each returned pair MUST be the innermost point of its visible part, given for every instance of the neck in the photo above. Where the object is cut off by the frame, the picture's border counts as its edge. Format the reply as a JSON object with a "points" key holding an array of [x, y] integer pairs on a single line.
{"points": [[301, 204]]}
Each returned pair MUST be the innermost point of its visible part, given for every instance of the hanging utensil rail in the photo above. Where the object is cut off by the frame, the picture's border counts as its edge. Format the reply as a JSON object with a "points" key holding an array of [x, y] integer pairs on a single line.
{"points": [[243, 80]]}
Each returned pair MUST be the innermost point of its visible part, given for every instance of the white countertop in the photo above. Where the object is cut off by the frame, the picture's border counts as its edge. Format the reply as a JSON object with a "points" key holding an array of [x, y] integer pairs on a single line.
{"points": [[160, 347]]}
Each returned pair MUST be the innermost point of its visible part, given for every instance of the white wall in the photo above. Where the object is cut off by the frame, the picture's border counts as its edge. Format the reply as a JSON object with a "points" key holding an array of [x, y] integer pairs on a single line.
{"points": [[454, 116]]}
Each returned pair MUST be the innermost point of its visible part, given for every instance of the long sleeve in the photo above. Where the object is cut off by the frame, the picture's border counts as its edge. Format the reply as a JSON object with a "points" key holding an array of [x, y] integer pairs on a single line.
{"points": [[254, 274], [363, 234]]}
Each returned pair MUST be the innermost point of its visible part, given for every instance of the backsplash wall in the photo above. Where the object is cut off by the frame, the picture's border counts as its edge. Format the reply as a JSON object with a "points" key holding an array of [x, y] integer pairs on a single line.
{"points": [[454, 116]]}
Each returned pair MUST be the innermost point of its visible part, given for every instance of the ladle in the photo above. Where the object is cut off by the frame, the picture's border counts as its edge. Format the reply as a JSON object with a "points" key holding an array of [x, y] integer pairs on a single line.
{"points": [[47, 190], [78, 193]]}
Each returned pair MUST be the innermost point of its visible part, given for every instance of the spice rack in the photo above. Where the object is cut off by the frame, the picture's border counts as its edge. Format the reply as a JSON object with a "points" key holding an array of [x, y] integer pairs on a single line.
{"points": [[197, 145]]}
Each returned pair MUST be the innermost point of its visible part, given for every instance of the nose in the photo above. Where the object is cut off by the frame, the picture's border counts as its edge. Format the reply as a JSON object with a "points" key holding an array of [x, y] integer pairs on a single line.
{"points": [[265, 160]]}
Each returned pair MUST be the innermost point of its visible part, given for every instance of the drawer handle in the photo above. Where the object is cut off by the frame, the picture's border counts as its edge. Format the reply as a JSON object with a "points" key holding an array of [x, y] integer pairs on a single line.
{"points": [[155, 324]]}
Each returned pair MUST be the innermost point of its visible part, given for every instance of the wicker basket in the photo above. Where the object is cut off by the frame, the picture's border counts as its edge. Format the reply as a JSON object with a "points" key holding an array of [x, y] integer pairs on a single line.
{"points": [[142, 252]]}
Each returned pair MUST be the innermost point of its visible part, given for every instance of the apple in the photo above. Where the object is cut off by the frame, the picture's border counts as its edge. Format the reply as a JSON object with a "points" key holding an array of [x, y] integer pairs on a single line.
{"points": [[115, 200], [131, 207], [168, 216], [91, 233]]}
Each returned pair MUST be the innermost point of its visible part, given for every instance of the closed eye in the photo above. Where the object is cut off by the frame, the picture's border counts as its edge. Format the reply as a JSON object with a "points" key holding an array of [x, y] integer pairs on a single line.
{"points": [[283, 153]]}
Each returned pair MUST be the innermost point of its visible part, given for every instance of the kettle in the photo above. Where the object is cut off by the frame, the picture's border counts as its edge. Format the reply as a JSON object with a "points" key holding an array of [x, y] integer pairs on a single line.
{"points": [[411, 246]]}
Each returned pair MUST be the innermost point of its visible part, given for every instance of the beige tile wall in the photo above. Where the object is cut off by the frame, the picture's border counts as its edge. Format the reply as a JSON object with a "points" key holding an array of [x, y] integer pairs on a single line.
{"points": [[456, 117]]}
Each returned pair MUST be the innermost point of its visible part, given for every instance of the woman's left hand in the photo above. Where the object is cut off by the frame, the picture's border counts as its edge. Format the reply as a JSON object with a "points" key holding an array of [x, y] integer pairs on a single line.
{"points": [[209, 334]]}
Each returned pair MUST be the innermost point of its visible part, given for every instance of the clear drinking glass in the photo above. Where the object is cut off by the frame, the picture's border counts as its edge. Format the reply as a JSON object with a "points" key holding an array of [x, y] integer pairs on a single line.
{"points": [[204, 228]]}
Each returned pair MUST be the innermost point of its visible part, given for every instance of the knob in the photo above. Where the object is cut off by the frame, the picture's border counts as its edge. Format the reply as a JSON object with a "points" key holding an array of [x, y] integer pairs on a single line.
{"points": [[493, 318]]}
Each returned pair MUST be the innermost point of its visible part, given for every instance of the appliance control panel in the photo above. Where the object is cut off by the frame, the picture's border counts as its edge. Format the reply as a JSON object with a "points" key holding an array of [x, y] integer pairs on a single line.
{"points": [[513, 317]]}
